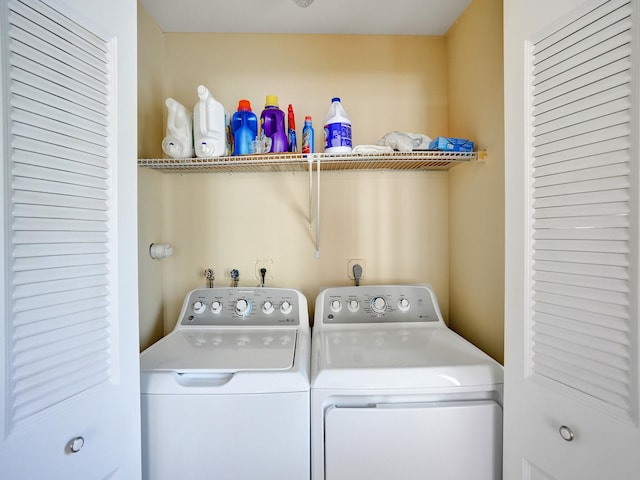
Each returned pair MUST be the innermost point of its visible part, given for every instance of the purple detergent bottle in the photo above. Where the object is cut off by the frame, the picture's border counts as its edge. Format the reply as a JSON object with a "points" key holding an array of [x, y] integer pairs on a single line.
{"points": [[272, 125]]}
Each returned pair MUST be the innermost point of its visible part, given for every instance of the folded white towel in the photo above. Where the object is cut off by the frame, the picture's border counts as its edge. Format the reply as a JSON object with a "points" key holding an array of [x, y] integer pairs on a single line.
{"points": [[369, 149]]}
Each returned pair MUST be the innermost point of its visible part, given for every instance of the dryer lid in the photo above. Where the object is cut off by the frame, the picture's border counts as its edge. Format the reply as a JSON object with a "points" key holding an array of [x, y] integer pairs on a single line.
{"points": [[402, 357], [218, 350]]}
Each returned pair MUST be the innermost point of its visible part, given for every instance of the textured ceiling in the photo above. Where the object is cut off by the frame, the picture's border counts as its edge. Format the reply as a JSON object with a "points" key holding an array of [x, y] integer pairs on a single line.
{"points": [[398, 17]]}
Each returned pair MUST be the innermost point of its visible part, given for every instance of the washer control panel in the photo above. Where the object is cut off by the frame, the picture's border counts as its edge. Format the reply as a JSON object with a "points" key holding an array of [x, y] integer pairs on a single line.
{"points": [[377, 304], [238, 306]]}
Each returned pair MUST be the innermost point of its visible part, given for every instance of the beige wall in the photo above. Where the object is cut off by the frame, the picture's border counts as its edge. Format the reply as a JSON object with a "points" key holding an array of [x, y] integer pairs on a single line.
{"points": [[476, 191], [398, 222], [150, 130]]}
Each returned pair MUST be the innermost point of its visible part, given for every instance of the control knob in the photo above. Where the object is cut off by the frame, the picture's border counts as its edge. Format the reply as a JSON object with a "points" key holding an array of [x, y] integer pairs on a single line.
{"points": [[335, 306], [199, 307], [243, 307], [403, 304], [379, 305], [286, 307], [267, 307], [353, 305], [216, 307]]}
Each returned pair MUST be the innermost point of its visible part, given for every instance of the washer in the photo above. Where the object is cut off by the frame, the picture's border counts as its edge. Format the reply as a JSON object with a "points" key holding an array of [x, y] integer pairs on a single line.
{"points": [[396, 394], [226, 393]]}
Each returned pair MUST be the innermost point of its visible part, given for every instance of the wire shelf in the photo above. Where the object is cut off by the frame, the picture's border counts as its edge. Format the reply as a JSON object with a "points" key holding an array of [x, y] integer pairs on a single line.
{"points": [[287, 162]]}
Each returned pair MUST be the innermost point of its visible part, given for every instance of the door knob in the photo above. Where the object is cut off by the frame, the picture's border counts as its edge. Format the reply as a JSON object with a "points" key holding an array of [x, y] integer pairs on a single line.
{"points": [[566, 433], [75, 444]]}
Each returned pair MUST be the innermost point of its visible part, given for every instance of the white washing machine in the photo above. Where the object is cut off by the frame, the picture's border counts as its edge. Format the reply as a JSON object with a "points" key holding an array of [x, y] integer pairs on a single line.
{"points": [[225, 395], [396, 394]]}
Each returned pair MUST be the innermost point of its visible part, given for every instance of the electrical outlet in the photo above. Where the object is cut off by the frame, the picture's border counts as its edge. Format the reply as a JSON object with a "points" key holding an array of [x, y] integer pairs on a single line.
{"points": [[356, 261], [260, 264]]}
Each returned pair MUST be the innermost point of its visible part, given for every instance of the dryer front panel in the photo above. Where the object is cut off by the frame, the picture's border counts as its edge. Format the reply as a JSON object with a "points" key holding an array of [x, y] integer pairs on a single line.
{"points": [[456, 440]]}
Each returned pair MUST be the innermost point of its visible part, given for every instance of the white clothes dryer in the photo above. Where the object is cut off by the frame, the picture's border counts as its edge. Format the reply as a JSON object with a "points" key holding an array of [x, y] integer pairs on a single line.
{"points": [[225, 395], [396, 394]]}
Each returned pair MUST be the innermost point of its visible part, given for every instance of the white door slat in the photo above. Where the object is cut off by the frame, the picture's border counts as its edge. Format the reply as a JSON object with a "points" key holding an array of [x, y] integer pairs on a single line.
{"points": [[63, 225], [50, 249], [42, 90], [578, 293], [44, 42], [612, 272], [39, 198], [56, 323], [52, 138], [599, 185], [583, 246], [600, 283], [586, 125], [29, 364], [59, 298], [90, 41], [584, 151], [596, 370], [39, 263], [620, 260], [45, 314], [582, 199], [587, 139], [551, 105], [612, 208], [71, 178], [582, 76], [595, 331], [47, 186], [598, 18], [554, 120], [69, 118], [618, 324], [57, 36], [603, 308], [609, 158], [29, 59], [619, 402], [600, 44], [590, 382], [43, 288], [26, 406], [52, 274], [26, 94], [64, 152], [69, 133]]}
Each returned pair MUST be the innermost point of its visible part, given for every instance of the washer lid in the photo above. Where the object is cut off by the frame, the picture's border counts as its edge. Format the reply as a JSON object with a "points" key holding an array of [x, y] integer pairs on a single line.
{"points": [[217, 350], [401, 357]]}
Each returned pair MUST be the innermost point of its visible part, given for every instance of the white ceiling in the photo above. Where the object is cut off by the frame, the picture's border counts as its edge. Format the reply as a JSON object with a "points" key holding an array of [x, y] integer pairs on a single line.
{"points": [[383, 17]]}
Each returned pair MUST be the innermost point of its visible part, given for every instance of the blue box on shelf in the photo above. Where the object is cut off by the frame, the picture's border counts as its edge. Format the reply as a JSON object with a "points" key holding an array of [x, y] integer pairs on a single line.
{"points": [[451, 144]]}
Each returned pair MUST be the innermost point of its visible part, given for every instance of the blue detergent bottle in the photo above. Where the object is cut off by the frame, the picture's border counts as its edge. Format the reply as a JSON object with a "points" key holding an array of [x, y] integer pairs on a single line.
{"points": [[272, 124], [244, 127], [308, 136]]}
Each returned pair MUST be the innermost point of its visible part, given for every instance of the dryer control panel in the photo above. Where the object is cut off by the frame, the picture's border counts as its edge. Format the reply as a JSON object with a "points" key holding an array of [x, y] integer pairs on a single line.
{"points": [[377, 304], [242, 307]]}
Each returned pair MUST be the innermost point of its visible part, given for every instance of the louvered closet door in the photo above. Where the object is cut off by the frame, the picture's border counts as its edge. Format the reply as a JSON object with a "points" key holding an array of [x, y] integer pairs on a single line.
{"points": [[70, 375], [572, 328]]}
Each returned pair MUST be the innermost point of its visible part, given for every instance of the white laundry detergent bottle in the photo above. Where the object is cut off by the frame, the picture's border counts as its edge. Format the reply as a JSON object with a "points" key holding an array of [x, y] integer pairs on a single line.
{"points": [[209, 125], [337, 129], [178, 142]]}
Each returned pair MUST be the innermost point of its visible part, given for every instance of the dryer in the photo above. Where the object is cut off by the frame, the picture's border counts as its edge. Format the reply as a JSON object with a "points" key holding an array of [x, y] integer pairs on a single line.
{"points": [[396, 394], [226, 393]]}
